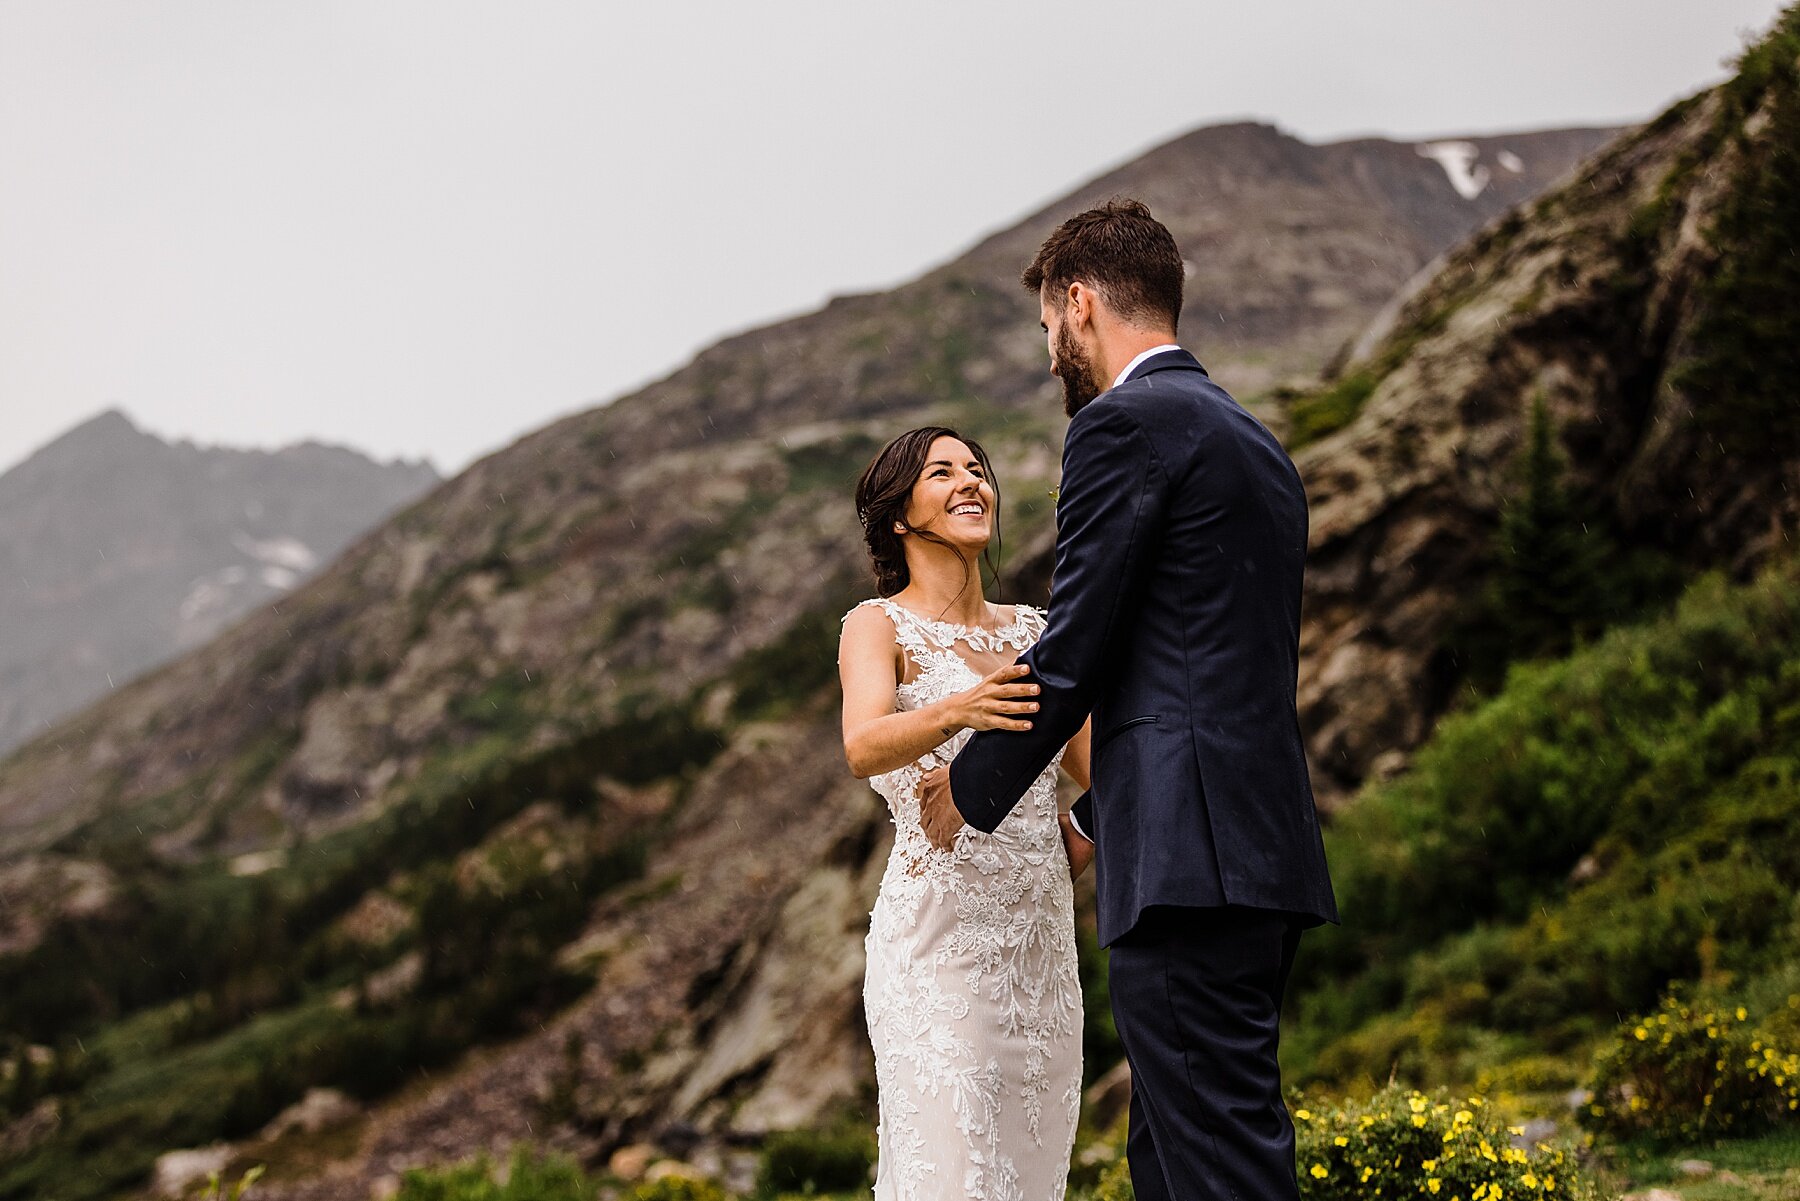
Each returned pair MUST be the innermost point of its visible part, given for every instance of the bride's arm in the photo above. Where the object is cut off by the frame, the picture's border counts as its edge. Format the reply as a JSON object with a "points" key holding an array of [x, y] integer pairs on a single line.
{"points": [[877, 737], [1075, 758]]}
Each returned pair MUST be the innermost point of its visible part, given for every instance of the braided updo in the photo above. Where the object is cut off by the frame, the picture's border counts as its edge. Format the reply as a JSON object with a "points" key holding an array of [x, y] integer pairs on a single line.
{"points": [[884, 490]]}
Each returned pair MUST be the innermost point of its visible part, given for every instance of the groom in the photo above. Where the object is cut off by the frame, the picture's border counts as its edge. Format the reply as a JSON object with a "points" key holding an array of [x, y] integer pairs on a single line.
{"points": [[1174, 620]]}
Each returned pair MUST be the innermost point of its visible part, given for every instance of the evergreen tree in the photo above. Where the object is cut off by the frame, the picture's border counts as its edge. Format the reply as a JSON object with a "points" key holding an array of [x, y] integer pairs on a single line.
{"points": [[1550, 585], [1746, 357]]}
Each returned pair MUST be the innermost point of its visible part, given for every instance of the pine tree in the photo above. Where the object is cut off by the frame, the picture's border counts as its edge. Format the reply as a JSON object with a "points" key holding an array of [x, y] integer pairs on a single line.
{"points": [[1746, 342], [1550, 585]]}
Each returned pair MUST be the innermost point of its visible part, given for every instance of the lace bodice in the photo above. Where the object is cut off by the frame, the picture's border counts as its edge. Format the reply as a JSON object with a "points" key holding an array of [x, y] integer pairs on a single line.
{"points": [[942, 670], [972, 994]]}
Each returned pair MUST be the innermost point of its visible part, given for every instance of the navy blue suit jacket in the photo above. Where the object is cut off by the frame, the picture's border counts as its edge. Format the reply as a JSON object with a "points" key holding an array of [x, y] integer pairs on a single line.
{"points": [[1174, 620]]}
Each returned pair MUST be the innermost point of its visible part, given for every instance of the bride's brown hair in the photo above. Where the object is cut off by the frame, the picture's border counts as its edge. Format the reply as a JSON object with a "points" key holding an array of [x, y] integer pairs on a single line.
{"points": [[885, 487]]}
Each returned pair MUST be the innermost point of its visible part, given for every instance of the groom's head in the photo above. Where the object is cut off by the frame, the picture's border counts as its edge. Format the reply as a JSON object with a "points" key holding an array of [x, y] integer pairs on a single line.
{"points": [[1108, 282]]}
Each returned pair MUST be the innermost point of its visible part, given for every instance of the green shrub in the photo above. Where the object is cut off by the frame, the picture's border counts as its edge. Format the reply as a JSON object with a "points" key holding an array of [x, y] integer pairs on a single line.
{"points": [[1608, 824], [807, 1161], [1529, 1074], [1114, 1184], [1689, 1072], [218, 1190], [1401, 1143], [551, 1178], [1323, 413], [677, 1188]]}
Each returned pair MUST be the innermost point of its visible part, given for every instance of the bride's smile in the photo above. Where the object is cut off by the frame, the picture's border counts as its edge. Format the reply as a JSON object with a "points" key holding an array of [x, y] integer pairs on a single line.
{"points": [[955, 485]]}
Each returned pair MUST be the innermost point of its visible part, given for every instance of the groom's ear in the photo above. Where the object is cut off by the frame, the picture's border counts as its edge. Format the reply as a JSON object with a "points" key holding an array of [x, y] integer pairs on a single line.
{"points": [[1078, 304]]}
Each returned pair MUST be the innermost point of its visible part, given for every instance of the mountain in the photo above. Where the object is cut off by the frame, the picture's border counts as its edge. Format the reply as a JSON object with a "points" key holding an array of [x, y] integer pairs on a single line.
{"points": [[1293, 248], [580, 701], [122, 551]]}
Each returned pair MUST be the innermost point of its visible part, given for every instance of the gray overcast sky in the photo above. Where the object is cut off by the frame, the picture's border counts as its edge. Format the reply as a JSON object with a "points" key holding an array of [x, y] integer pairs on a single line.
{"points": [[425, 228]]}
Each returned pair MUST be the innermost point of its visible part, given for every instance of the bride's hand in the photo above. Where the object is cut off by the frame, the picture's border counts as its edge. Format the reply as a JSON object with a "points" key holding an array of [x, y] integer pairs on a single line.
{"points": [[1079, 849], [996, 703]]}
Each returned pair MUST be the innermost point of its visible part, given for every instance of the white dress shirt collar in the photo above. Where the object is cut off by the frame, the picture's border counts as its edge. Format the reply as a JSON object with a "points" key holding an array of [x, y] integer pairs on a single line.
{"points": [[1138, 362]]}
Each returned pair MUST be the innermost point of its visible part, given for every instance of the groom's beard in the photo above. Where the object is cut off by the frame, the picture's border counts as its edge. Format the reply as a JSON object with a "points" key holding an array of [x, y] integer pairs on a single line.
{"points": [[1076, 371]]}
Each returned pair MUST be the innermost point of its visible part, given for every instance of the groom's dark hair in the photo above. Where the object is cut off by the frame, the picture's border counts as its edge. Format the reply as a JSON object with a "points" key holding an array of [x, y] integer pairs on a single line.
{"points": [[1120, 249]]}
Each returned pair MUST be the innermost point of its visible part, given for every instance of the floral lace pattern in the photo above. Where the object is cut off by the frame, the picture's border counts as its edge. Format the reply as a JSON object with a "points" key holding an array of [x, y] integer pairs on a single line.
{"points": [[971, 992]]}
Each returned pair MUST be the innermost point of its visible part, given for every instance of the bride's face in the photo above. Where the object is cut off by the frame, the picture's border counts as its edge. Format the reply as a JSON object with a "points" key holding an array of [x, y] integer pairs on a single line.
{"points": [[953, 497]]}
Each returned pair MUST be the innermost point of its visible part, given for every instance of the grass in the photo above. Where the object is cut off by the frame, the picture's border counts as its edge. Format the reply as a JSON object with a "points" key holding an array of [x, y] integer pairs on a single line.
{"points": [[170, 1097], [1317, 415], [1768, 1168]]}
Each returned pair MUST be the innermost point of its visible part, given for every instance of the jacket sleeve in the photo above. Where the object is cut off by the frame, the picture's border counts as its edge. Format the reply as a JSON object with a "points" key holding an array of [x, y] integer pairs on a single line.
{"points": [[1081, 813], [1109, 516]]}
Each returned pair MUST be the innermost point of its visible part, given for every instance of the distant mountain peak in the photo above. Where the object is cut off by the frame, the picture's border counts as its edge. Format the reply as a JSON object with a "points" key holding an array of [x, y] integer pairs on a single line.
{"points": [[107, 430]]}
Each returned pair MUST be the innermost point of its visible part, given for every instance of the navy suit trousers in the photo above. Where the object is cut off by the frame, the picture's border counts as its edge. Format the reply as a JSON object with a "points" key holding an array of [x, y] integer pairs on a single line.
{"points": [[1196, 996]]}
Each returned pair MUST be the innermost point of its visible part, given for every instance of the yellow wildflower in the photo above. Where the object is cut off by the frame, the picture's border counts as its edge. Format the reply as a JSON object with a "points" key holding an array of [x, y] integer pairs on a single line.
{"points": [[1340, 1141], [1319, 1172], [1434, 1184], [1529, 1180]]}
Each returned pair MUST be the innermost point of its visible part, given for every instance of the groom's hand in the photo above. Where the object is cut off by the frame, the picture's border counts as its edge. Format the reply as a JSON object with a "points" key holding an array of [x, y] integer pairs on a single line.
{"points": [[937, 809], [1078, 848]]}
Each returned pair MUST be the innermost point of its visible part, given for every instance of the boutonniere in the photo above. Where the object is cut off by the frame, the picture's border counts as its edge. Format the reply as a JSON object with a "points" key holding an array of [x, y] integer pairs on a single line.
{"points": [[1055, 494]]}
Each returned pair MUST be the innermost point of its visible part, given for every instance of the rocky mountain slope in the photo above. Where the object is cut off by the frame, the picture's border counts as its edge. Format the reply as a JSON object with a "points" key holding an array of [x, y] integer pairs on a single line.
{"points": [[581, 700], [1617, 304], [121, 551]]}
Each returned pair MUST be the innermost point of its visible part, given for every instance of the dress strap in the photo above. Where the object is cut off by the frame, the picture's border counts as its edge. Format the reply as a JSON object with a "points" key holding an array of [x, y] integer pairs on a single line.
{"points": [[1034, 619]]}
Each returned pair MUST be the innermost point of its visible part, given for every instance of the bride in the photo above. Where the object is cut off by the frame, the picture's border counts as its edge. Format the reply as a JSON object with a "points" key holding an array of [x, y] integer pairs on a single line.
{"points": [[971, 991]]}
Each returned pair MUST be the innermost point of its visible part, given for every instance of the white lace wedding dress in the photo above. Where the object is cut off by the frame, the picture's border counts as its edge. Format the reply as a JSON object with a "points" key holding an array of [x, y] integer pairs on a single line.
{"points": [[972, 994]]}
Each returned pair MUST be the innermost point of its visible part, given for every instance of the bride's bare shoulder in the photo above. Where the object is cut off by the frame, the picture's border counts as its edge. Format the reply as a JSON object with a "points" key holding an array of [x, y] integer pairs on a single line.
{"points": [[868, 649], [866, 626]]}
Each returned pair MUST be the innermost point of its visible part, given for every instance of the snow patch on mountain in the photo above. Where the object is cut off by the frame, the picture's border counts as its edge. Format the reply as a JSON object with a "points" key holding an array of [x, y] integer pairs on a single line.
{"points": [[280, 551], [278, 564], [1458, 161]]}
